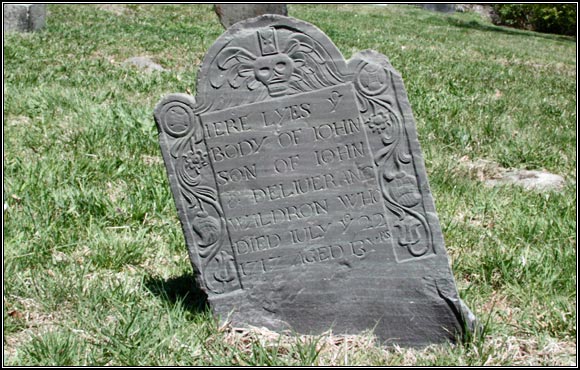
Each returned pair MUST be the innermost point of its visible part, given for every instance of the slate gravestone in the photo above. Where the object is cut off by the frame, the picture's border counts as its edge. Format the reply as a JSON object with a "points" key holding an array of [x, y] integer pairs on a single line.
{"points": [[301, 189], [230, 14]]}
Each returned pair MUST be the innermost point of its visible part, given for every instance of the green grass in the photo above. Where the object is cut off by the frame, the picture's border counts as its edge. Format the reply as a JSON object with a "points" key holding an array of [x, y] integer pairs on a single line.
{"points": [[95, 265]]}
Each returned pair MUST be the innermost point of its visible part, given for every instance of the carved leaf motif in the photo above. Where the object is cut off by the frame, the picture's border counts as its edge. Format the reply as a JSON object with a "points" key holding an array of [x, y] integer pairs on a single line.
{"points": [[231, 56], [304, 44], [208, 229], [237, 61], [376, 93]]}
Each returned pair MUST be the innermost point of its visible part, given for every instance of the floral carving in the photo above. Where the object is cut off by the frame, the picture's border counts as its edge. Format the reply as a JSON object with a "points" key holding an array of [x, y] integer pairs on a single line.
{"points": [[197, 190], [377, 96], [195, 161]]}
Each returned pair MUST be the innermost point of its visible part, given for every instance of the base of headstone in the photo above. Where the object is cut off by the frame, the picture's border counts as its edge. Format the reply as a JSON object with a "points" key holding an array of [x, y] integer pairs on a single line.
{"points": [[24, 17]]}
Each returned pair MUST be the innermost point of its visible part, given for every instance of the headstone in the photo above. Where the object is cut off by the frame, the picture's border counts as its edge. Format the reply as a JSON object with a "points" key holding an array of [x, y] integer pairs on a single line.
{"points": [[230, 14], [302, 193], [442, 8], [24, 17]]}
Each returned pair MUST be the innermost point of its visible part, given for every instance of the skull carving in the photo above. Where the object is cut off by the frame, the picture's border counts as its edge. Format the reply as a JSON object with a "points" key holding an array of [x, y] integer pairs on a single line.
{"points": [[299, 65], [274, 71]]}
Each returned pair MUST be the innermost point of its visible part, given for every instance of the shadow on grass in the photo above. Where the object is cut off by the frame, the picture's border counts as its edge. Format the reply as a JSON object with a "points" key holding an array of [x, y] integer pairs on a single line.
{"points": [[506, 30], [179, 290]]}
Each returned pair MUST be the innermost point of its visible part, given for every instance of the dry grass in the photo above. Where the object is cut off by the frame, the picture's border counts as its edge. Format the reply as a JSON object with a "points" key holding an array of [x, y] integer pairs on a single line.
{"points": [[116, 9], [34, 321], [529, 352], [333, 350], [363, 349], [151, 160]]}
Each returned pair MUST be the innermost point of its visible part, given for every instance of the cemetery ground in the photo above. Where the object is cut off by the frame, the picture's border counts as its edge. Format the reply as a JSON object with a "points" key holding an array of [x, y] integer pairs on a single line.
{"points": [[95, 265]]}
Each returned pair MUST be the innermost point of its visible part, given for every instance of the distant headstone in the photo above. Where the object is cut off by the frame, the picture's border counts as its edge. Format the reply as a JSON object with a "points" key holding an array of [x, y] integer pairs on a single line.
{"points": [[302, 193], [230, 14], [24, 17], [442, 8]]}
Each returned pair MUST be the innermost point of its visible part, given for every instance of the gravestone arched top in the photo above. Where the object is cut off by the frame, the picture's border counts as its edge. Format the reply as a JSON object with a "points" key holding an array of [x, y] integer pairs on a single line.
{"points": [[265, 57]]}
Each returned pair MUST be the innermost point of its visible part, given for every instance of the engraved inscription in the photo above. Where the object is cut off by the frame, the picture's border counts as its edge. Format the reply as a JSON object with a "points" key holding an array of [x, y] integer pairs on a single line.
{"points": [[263, 158]]}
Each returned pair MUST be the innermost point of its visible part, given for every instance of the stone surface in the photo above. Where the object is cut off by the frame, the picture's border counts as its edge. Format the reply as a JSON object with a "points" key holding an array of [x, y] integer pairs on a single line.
{"points": [[302, 193], [492, 174], [442, 8], [529, 180], [144, 63], [24, 17], [230, 14]]}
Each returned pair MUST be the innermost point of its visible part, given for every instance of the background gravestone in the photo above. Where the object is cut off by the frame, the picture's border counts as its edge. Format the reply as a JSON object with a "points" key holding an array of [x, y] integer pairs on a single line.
{"points": [[302, 193], [442, 8], [24, 17], [230, 14]]}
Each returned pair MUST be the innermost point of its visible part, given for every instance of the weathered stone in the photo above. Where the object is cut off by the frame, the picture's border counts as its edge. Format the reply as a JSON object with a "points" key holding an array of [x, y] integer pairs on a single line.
{"points": [[529, 180], [144, 63], [302, 192], [24, 17], [230, 14], [492, 174]]}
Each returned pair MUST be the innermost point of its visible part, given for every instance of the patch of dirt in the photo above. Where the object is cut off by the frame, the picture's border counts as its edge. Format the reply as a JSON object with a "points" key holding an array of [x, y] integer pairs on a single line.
{"points": [[18, 121], [116, 191], [35, 321], [558, 67], [117, 9], [473, 220], [480, 169], [151, 160], [530, 180]]}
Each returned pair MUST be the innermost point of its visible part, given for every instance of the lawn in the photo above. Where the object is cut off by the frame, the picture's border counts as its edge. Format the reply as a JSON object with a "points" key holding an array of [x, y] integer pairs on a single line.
{"points": [[95, 266]]}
